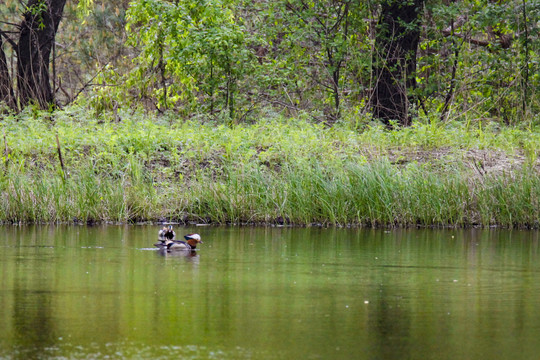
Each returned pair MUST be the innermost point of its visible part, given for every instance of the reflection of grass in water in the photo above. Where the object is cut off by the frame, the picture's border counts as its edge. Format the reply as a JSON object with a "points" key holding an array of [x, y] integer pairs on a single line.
{"points": [[284, 171], [131, 350]]}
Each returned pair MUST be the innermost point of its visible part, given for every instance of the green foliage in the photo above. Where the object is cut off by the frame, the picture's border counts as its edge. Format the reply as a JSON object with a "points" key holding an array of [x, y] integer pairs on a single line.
{"points": [[84, 7], [310, 52], [237, 59], [495, 55], [191, 51]]}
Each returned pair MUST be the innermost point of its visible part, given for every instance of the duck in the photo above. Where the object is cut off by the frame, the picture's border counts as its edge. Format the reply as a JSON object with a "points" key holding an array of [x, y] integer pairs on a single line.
{"points": [[193, 240], [168, 242], [166, 233]]}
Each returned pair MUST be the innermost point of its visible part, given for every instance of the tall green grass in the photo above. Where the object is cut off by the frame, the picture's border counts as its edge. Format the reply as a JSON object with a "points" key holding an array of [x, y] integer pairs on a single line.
{"points": [[44, 196], [373, 194], [276, 171]]}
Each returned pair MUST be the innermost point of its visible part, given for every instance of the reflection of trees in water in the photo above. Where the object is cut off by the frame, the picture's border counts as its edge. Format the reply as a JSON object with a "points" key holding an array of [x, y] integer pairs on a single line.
{"points": [[33, 326], [390, 326]]}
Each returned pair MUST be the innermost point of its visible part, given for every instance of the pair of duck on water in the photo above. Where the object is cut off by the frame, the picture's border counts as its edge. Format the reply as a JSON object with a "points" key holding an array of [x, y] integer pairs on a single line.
{"points": [[168, 242]]}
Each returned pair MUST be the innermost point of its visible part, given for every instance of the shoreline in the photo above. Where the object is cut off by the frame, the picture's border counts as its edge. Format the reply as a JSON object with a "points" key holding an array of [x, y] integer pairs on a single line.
{"points": [[158, 223]]}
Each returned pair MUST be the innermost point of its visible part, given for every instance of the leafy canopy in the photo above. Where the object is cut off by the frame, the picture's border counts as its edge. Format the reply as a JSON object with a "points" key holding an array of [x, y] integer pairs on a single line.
{"points": [[188, 47]]}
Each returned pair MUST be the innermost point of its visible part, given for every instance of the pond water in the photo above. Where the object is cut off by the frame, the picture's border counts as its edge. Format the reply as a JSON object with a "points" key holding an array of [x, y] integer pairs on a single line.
{"points": [[269, 293]]}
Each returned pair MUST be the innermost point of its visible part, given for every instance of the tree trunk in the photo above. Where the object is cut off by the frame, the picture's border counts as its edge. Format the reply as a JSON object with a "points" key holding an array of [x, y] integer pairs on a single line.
{"points": [[6, 88], [394, 60], [36, 37]]}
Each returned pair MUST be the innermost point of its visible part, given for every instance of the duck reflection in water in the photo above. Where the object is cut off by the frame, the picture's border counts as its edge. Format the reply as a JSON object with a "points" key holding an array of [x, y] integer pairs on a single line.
{"points": [[190, 255]]}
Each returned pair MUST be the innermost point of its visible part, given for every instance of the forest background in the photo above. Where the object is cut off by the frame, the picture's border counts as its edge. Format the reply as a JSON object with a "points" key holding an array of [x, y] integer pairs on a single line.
{"points": [[330, 112]]}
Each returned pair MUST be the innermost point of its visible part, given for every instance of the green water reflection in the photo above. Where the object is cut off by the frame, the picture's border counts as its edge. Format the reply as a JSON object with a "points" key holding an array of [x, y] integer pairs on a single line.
{"points": [[269, 293]]}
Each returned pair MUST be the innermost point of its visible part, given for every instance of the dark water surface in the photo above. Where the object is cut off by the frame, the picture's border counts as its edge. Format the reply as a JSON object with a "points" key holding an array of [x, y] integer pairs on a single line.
{"points": [[269, 293]]}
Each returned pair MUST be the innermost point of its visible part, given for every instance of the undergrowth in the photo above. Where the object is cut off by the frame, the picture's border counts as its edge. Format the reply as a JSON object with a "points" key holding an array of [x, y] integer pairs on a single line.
{"points": [[279, 170]]}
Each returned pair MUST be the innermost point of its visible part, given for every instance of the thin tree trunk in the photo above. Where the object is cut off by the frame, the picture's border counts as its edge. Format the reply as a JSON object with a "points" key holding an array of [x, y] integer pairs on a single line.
{"points": [[36, 37], [450, 93], [335, 67], [335, 78], [6, 88], [162, 69], [394, 62], [525, 75]]}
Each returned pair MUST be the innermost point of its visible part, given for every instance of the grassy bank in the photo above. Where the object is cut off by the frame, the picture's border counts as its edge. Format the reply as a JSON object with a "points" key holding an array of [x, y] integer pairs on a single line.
{"points": [[276, 171]]}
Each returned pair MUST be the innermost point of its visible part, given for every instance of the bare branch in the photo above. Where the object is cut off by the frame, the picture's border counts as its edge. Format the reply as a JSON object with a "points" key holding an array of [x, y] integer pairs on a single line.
{"points": [[88, 83], [8, 39]]}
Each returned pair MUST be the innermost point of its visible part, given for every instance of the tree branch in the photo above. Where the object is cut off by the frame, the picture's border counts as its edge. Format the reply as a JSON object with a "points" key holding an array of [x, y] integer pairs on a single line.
{"points": [[504, 39], [8, 39]]}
